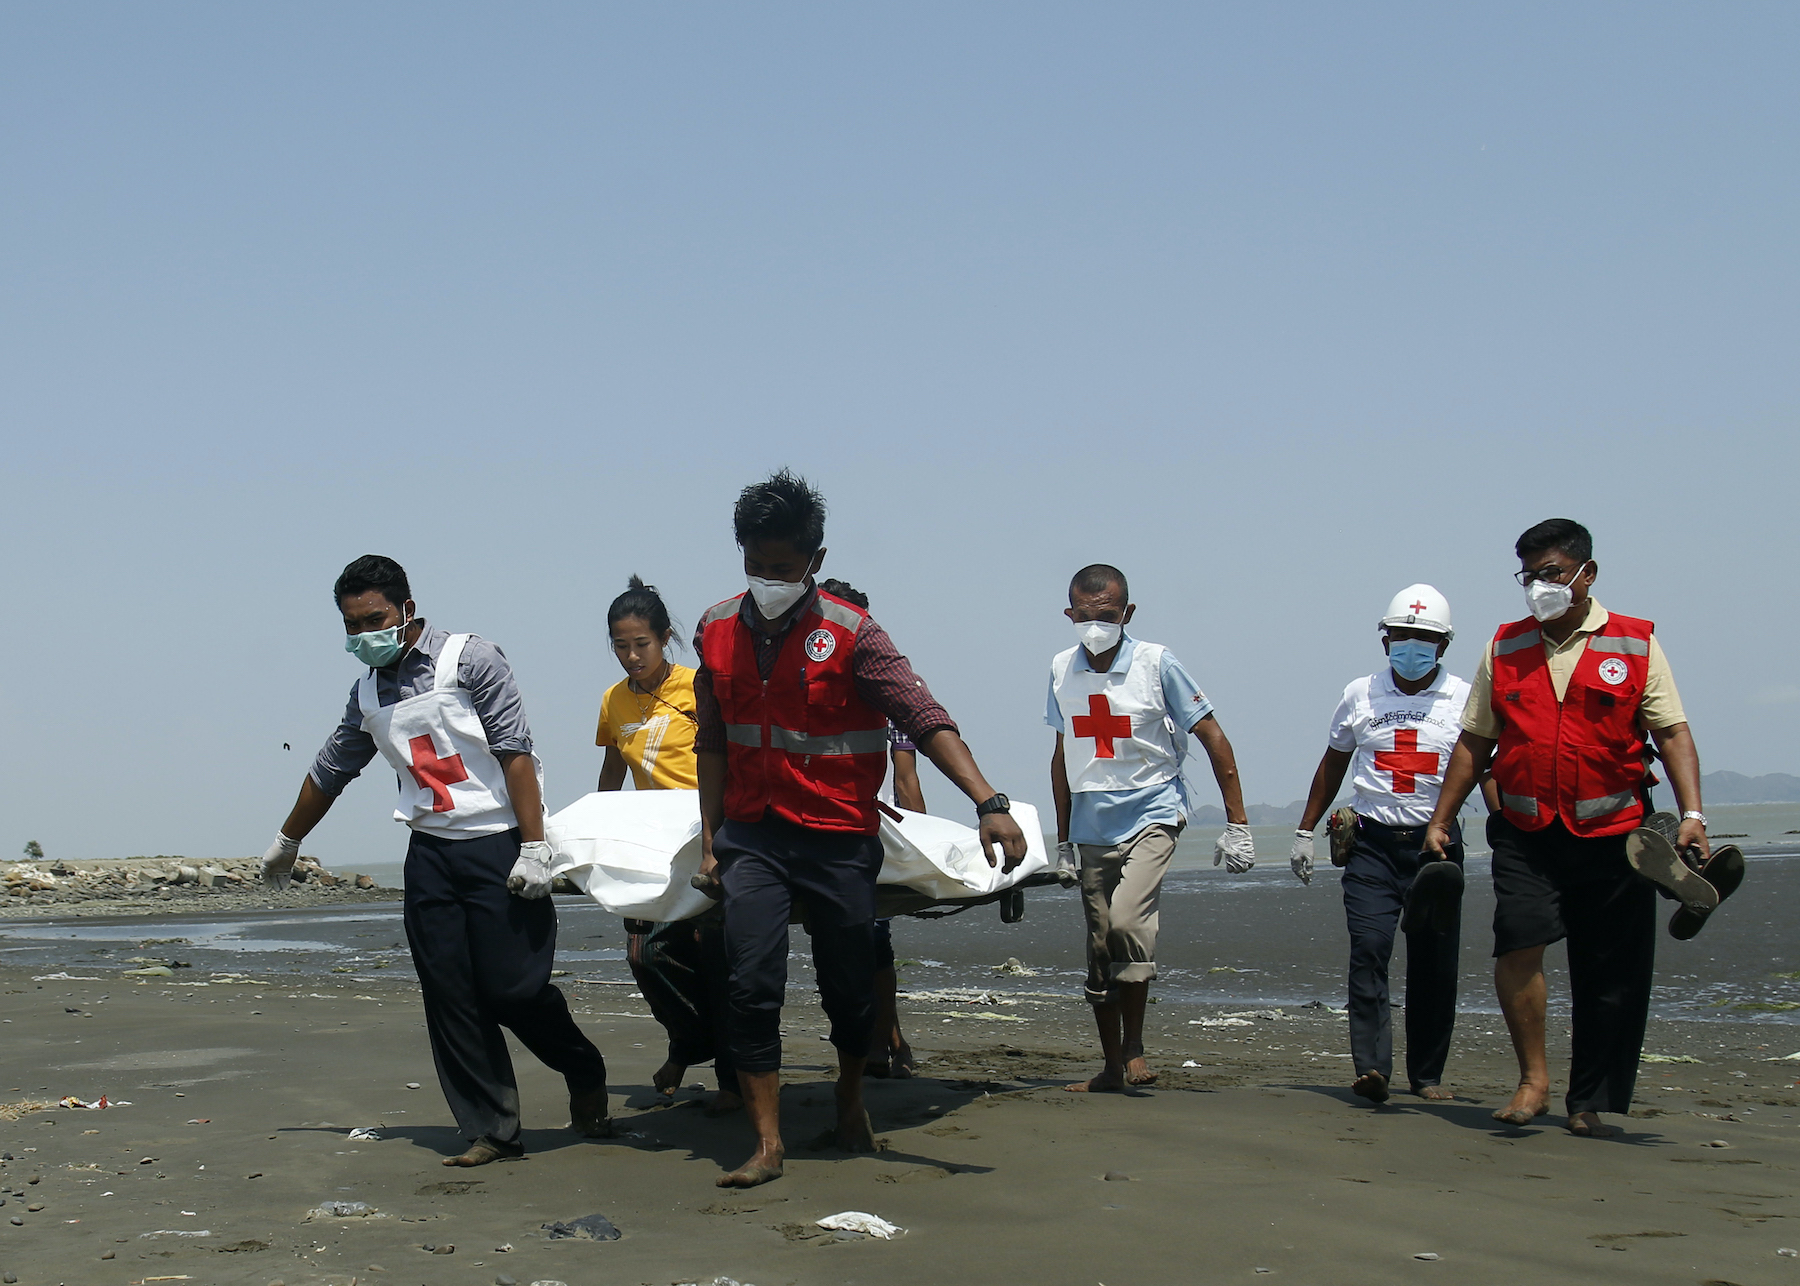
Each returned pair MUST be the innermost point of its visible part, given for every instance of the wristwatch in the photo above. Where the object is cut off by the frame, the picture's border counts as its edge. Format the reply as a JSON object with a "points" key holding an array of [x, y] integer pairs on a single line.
{"points": [[997, 804], [1694, 815]]}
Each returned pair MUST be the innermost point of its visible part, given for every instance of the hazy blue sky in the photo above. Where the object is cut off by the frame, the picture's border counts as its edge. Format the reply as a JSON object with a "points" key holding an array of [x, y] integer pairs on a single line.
{"points": [[1278, 307]]}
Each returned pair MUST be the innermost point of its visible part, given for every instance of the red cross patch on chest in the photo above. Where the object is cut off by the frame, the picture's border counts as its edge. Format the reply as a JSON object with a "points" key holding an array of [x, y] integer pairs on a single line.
{"points": [[434, 774], [1102, 725], [1407, 762]]}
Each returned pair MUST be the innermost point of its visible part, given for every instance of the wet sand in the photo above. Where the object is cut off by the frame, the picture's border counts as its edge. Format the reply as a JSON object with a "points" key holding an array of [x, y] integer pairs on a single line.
{"points": [[1258, 1159]]}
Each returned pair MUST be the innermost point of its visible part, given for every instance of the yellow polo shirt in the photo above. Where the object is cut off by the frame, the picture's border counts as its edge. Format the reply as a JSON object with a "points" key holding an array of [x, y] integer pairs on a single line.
{"points": [[654, 731], [1661, 706]]}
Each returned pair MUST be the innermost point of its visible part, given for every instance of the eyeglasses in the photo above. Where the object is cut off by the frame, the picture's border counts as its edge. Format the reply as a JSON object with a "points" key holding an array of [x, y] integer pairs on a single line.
{"points": [[1552, 573]]}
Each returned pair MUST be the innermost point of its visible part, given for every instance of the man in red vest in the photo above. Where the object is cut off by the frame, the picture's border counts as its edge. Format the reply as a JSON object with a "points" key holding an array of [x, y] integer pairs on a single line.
{"points": [[1559, 708], [795, 692]]}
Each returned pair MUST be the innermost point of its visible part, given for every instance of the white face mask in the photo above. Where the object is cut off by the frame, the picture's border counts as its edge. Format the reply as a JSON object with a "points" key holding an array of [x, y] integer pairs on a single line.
{"points": [[1098, 637], [1548, 601], [775, 597]]}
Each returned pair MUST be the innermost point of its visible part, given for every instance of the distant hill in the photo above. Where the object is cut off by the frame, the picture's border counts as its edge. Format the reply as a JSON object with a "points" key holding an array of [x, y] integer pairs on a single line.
{"points": [[1735, 788]]}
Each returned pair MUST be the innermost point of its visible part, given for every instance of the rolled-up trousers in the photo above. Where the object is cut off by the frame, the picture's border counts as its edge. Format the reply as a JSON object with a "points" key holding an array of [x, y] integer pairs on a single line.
{"points": [[483, 957], [765, 867]]}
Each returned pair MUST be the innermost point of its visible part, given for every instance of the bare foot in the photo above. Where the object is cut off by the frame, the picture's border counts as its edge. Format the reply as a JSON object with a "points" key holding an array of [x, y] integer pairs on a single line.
{"points": [[1436, 1093], [1137, 1072], [482, 1151], [723, 1102], [1110, 1081], [667, 1078], [855, 1134], [1372, 1086], [1587, 1125], [587, 1115], [900, 1066], [1528, 1103], [761, 1168]]}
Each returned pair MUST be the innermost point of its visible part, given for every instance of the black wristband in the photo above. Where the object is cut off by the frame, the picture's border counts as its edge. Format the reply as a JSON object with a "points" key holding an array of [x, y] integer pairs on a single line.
{"points": [[995, 804]]}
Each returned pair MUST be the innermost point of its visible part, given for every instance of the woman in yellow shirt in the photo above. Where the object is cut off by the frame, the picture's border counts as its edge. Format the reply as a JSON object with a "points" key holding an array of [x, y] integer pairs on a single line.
{"points": [[647, 723]]}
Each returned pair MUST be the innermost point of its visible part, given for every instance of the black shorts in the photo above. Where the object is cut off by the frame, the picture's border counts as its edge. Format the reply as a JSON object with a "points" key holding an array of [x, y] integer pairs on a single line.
{"points": [[1538, 874]]}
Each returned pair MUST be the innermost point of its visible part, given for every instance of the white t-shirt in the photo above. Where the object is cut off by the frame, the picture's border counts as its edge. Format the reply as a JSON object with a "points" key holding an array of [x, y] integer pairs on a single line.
{"points": [[1402, 744]]}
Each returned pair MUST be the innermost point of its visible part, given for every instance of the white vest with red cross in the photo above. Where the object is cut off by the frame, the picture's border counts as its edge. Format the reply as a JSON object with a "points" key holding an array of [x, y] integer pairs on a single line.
{"points": [[451, 784], [1116, 729]]}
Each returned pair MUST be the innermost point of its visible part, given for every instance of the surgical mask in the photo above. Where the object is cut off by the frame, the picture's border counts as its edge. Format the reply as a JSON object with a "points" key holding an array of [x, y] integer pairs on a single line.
{"points": [[1412, 659], [1098, 636], [1548, 601], [377, 648], [775, 597]]}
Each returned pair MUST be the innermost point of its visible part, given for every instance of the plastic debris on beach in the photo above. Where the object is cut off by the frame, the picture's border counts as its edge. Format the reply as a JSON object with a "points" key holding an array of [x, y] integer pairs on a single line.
{"points": [[64, 977], [1672, 1058], [366, 1135], [1426, 1255], [177, 1232], [1788, 1252], [1219, 1022], [717, 1281], [98, 1105], [1783, 1058], [344, 1210], [1013, 969], [1191, 1063], [859, 1221], [587, 1228]]}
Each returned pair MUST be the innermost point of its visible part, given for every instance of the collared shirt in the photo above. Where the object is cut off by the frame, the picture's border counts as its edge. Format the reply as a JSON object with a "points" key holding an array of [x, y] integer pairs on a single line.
{"points": [[883, 677], [483, 670], [1660, 708], [1112, 816]]}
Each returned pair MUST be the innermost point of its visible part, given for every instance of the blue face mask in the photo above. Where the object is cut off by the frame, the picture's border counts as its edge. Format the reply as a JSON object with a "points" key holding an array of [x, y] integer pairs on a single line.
{"points": [[377, 648], [1412, 659]]}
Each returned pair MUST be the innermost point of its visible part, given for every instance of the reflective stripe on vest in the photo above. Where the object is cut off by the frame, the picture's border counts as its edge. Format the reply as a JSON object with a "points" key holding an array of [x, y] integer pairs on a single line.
{"points": [[1588, 809], [1526, 804], [1506, 647], [1624, 647], [874, 741], [744, 734]]}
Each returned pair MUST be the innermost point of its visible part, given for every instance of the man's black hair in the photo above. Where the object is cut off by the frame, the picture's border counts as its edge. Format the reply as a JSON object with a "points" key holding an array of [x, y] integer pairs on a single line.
{"points": [[846, 591], [377, 572], [1563, 535], [1097, 578], [786, 507], [642, 601]]}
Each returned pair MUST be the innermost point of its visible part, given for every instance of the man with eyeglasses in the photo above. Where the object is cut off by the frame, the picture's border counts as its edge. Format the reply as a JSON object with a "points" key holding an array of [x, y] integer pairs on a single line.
{"points": [[1559, 708]]}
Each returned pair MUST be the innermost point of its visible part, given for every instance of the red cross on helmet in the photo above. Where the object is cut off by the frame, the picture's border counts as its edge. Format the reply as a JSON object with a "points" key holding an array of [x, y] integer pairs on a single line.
{"points": [[1420, 607]]}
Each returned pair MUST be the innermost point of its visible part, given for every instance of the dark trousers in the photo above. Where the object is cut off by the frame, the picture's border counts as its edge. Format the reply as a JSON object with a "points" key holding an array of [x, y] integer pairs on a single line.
{"points": [[682, 971], [483, 957], [764, 867], [1550, 885], [1375, 883]]}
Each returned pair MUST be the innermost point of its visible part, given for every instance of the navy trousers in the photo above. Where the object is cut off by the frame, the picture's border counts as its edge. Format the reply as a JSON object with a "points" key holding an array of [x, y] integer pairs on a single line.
{"points": [[1375, 883], [483, 957], [680, 967], [765, 866]]}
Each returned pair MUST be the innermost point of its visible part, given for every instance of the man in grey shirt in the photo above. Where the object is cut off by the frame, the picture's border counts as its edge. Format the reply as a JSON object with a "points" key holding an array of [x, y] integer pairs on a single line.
{"points": [[444, 711]]}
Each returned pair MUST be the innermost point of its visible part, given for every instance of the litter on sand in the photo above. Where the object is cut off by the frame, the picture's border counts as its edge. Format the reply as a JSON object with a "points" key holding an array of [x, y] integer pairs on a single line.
{"points": [[1427, 1255], [98, 1105], [1672, 1058], [1219, 1022], [344, 1210], [1190, 1063], [368, 1135], [587, 1228], [176, 1232], [859, 1221]]}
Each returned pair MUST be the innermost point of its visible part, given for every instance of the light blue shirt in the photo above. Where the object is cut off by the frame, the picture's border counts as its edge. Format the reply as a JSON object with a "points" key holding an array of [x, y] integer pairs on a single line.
{"points": [[1112, 816]]}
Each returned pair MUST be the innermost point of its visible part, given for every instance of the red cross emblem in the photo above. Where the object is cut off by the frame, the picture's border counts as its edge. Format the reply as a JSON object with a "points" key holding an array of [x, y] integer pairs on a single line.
{"points": [[1406, 761], [434, 774], [1102, 725], [1415, 607]]}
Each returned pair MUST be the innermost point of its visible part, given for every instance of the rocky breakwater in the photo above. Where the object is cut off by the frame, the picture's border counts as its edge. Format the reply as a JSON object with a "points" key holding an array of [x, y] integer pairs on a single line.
{"points": [[164, 885]]}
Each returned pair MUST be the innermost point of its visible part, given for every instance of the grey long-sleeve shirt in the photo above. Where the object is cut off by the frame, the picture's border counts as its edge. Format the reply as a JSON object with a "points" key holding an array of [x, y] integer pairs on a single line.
{"points": [[483, 670]]}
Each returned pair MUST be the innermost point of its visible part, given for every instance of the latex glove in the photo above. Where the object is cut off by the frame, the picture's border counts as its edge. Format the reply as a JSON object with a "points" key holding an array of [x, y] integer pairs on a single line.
{"points": [[530, 877], [1068, 863], [1302, 857], [1235, 848], [278, 862]]}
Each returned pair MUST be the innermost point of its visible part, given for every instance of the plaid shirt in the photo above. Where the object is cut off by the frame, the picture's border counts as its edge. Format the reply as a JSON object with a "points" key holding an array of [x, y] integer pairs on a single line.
{"points": [[883, 677]]}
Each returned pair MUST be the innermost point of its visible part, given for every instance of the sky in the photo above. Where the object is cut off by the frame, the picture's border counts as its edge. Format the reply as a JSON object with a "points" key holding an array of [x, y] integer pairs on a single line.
{"points": [[1279, 308]]}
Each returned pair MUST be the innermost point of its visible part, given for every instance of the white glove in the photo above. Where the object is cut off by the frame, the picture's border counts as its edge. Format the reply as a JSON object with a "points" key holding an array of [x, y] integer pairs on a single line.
{"points": [[1235, 848], [1068, 858], [530, 877], [278, 862], [1301, 858]]}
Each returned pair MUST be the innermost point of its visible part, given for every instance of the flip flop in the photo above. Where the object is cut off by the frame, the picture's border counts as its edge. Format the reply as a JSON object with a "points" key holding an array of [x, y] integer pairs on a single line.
{"points": [[1724, 870], [1652, 856], [1433, 899]]}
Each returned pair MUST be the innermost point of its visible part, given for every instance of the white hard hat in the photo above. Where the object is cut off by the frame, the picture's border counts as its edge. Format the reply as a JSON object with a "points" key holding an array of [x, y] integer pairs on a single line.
{"points": [[1422, 608]]}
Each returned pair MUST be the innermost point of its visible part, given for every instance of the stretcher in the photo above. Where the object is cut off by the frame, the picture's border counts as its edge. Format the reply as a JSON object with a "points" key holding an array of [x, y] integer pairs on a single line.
{"points": [[635, 852]]}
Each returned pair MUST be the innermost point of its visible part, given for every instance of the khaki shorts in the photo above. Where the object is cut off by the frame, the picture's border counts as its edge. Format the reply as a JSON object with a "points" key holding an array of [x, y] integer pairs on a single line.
{"points": [[1121, 891]]}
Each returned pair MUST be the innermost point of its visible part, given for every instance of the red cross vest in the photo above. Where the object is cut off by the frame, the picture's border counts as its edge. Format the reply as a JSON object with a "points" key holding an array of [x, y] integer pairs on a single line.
{"points": [[1116, 729], [1581, 759], [451, 784], [802, 744]]}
